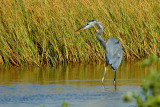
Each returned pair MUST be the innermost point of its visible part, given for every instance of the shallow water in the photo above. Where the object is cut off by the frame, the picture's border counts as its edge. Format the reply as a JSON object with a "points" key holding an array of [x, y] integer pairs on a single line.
{"points": [[78, 84]]}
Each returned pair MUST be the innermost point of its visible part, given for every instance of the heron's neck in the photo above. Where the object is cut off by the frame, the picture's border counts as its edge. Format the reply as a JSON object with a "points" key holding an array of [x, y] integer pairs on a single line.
{"points": [[99, 32]]}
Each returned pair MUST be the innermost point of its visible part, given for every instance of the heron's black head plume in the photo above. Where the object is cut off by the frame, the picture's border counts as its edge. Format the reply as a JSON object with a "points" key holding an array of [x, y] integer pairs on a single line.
{"points": [[91, 21]]}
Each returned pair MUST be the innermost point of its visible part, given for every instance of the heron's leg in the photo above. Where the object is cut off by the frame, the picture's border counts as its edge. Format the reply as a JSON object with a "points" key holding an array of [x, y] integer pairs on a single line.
{"points": [[104, 72], [114, 81]]}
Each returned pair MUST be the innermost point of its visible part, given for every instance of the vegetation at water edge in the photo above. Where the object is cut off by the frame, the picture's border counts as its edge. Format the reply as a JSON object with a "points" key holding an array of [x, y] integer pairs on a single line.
{"points": [[150, 94]]}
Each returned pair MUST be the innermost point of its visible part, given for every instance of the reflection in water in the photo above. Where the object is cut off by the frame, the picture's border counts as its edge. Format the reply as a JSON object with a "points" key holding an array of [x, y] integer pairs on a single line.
{"points": [[78, 84], [85, 74]]}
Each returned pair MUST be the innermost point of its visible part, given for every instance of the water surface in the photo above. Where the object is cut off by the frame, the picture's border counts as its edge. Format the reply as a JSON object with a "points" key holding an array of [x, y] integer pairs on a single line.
{"points": [[77, 84]]}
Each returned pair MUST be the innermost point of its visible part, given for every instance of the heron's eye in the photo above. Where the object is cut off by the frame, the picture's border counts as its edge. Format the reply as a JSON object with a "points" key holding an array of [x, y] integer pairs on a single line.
{"points": [[90, 23]]}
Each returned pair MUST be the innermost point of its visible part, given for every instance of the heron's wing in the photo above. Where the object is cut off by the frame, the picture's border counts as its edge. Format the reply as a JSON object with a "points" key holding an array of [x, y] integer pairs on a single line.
{"points": [[113, 53]]}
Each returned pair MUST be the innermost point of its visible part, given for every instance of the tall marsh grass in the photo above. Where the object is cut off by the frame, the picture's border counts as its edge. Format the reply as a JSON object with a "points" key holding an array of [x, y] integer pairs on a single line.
{"points": [[42, 31]]}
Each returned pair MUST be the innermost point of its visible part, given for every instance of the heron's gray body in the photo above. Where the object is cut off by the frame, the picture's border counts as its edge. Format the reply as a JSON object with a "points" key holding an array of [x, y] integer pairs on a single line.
{"points": [[113, 53], [113, 48]]}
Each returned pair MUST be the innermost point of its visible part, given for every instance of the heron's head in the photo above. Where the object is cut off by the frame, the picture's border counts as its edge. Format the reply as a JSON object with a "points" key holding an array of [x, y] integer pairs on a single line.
{"points": [[89, 24]]}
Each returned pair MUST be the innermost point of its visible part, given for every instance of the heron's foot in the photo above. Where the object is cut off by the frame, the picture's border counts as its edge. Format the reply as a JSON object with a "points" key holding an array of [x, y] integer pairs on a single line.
{"points": [[114, 83], [102, 80]]}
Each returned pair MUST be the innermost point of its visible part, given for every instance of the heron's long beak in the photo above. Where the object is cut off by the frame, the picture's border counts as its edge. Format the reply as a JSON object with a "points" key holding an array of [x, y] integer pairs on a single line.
{"points": [[83, 27]]}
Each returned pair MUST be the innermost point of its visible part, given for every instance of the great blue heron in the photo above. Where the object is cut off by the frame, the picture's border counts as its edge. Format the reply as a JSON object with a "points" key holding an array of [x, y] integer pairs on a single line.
{"points": [[113, 48]]}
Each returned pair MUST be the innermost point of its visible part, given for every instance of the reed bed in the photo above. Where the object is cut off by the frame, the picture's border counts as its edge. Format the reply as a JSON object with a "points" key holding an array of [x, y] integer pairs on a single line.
{"points": [[42, 31]]}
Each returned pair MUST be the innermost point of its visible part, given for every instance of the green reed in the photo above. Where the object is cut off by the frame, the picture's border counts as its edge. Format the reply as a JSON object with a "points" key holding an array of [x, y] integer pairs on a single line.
{"points": [[42, 31]]}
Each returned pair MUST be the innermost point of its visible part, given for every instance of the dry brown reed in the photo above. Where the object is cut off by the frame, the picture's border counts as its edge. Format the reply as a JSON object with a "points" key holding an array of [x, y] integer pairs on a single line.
{"points": [[42, 31]]}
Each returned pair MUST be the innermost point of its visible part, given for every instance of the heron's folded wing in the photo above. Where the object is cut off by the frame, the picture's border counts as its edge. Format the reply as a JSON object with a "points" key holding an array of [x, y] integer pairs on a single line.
{"points": [[113, 53]]}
